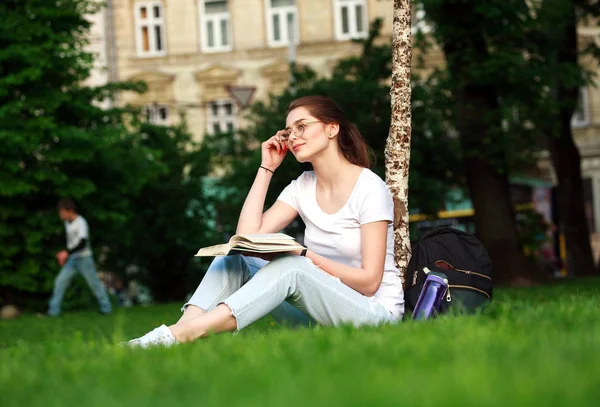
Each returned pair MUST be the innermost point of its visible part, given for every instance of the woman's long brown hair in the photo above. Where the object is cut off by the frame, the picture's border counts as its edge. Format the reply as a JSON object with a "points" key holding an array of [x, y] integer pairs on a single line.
{"points": [[352, 145]]}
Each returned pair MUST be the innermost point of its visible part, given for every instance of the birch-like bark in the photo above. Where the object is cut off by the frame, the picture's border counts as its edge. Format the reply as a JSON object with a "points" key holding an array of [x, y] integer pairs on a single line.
{"points": [[397, 150]]}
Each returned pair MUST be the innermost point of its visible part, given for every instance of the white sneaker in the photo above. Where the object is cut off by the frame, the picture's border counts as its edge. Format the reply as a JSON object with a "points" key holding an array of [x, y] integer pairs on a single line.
{"points": [[161, 336]]}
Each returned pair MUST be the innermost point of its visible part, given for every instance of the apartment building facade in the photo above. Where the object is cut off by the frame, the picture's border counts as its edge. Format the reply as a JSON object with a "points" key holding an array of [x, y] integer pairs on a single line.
{"points": [[205, 58]]}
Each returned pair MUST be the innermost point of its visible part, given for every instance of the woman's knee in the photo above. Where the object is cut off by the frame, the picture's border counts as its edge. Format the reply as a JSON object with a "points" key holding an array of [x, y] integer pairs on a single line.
{"points": [[231, 262], [286, 264]]}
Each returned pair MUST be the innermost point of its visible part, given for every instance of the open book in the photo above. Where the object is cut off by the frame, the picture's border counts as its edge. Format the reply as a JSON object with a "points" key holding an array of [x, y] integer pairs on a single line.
{"points": [[256, 243]]}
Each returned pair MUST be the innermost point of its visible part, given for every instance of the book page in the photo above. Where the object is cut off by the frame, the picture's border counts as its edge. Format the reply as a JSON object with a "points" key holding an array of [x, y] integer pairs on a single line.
{"points": [[240, 244], [267, 246], [217, 250], [262, 237]]}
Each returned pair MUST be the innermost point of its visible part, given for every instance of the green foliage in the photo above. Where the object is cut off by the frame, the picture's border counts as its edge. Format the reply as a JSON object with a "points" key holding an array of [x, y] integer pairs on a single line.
{"points": [[533, 231], [512, 70], [50, 130], [490, 51], [360, 85], [563, 72], [507, 49], [168, 218], [532, 346], [137, 185]]}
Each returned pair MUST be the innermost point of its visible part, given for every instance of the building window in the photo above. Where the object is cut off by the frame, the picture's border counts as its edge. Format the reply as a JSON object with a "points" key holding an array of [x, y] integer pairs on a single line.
{"points": [[150, 29], [581, 115], [157, 114], [351, 19], [221, 116], [215, 27], [282, 17]]}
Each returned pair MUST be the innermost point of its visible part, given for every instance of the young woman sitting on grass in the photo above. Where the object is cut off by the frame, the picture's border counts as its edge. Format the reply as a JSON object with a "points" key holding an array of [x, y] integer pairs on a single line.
{"points": [[347, 275]]}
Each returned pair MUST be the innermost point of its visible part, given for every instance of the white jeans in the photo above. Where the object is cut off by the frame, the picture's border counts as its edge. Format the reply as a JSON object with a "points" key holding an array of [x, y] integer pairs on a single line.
{"points": [[291, 288]]}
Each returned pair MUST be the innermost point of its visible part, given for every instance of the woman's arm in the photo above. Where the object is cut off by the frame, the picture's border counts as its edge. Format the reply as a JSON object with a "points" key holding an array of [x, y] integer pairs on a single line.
{"points": [[252, 219], [367, 279]]}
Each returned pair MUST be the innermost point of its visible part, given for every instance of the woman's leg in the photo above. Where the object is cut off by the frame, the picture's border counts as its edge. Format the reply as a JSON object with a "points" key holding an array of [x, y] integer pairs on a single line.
{"points": [[191, 312], [323, 297], [288, 315], [225, 276]]}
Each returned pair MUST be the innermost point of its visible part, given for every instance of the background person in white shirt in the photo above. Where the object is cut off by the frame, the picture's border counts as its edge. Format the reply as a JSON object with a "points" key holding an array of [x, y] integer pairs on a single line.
{"points": [[77, 258], [347, 275]]}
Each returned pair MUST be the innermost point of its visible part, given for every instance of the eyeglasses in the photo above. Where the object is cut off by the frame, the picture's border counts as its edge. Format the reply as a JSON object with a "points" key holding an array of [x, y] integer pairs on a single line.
{"points": [[297, 129]]}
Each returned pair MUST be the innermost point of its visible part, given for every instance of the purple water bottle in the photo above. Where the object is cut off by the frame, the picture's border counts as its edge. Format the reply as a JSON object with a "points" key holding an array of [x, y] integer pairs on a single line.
{"points": [[431, 297]]}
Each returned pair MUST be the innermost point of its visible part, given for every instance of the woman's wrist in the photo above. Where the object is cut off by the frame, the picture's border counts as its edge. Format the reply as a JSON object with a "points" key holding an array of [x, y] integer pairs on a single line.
{"points": [[267, 169]]}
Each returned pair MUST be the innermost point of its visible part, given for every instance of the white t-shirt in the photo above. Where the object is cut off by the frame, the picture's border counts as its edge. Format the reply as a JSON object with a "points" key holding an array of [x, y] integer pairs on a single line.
{"points": [[76, 230], [337, 236]]}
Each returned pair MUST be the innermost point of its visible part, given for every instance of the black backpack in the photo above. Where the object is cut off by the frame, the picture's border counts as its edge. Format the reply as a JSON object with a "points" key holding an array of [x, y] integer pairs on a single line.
{"points": [[462, 258]]}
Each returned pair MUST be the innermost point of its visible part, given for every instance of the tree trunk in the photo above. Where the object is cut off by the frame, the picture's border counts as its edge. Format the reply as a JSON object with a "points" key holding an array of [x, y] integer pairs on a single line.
{"points": [[489, 187], [397, 150], [565, 156], [482, 148], [573, 223], [495, 222]]}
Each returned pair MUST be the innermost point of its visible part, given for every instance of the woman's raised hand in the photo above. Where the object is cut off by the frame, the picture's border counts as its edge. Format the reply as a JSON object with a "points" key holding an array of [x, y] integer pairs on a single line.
{"points": [[273, 151]]}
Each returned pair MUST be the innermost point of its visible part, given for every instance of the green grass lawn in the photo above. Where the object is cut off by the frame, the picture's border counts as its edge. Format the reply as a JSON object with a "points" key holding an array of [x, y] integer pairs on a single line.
{"points": [[534, 346]]}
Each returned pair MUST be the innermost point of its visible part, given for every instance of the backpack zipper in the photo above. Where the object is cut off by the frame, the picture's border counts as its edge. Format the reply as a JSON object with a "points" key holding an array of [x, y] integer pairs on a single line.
{"points": [[470, 288], [464, 271]]}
